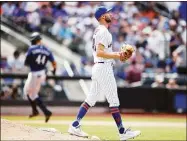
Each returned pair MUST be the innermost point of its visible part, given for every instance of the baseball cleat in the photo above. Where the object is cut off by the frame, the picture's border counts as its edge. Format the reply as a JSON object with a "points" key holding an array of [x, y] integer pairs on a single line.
{"points": [[77, 131], [128, 134], [34, 115], [47, 117]]}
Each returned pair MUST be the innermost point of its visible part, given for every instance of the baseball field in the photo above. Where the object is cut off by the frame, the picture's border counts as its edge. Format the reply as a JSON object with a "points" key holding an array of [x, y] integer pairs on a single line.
{"points": [[152, 127]]}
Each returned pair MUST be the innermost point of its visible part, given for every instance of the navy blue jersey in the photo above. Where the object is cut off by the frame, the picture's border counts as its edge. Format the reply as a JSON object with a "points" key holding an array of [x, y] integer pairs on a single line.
{"points": [[37, 57]]}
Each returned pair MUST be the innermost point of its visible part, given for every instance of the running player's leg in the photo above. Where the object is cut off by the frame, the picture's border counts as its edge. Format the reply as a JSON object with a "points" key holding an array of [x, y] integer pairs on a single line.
{"points": [[37, 81], [33, 87], [34, 109], [27, 92], [42, 106]]}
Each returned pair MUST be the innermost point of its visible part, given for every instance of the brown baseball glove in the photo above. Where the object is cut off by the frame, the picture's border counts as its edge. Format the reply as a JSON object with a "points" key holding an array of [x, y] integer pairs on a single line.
{"points": [[126, 52]]}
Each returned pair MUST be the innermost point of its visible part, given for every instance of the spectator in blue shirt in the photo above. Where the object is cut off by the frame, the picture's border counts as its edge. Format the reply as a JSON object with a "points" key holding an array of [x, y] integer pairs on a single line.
{"points": [[19, 15]]}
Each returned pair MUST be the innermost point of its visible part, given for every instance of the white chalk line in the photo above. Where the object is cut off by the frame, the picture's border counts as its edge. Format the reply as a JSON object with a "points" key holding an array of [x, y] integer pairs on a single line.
{"points": [[107, 123]]}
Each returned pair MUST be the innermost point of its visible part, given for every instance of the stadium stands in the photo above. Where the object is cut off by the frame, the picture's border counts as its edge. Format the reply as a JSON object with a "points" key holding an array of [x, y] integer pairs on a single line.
{"points": [[157, 29]]}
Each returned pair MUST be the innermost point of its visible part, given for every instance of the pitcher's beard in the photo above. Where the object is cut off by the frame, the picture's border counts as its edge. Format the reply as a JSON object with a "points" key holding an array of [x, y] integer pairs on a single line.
{"points": [[108, 20]]}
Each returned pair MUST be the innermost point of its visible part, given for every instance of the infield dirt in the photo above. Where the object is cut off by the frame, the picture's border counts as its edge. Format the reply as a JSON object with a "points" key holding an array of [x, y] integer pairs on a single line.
{"points": [[14, 131]]}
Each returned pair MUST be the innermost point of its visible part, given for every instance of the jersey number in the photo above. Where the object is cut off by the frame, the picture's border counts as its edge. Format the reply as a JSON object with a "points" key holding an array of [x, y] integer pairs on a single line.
{"points": [[40, 59]]}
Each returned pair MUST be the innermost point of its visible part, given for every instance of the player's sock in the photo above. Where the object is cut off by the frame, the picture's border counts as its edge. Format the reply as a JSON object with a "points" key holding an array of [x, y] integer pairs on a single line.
{"points": [[82, 112], [42, 106], [33, 105], [117, 117]]}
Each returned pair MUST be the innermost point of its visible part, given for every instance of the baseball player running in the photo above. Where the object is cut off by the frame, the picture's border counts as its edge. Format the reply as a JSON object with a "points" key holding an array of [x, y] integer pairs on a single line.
{"points": [[103, 80], [36, 59]]}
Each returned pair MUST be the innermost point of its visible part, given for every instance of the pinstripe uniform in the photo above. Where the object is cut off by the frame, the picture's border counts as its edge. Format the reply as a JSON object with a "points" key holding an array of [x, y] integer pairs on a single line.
{"points": [[103, 80]]}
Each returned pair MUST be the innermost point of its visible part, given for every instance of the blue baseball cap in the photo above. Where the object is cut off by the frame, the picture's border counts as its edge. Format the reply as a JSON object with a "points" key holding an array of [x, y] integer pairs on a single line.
{"points": [[100, 11]]}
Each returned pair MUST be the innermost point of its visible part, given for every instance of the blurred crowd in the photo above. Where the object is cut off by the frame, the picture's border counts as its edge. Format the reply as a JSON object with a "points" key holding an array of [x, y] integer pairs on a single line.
{"points": [[160, 39]]}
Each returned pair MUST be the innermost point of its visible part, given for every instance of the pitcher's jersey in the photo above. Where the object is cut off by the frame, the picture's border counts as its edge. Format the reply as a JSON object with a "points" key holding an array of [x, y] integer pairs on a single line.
{"points": [[37, 57], [104, 37]]}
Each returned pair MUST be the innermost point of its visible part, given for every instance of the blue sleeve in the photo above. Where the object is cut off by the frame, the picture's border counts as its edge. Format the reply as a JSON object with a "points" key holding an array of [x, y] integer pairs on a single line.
{"points": [[28, 57], [51, 57], [28, 52]]}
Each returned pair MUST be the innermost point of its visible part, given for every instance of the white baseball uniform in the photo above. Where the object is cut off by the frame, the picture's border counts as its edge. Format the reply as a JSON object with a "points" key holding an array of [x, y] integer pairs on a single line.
{"points": [[103, 80], [33, 84]]}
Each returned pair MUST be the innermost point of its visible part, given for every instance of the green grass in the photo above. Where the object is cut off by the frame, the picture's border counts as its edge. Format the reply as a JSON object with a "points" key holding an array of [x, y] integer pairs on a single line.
{"points": [[111, 133], [102, 118]]}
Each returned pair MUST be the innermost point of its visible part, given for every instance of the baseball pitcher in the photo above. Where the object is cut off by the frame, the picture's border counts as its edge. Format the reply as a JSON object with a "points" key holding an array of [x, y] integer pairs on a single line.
{"points": [[103, 80]]}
